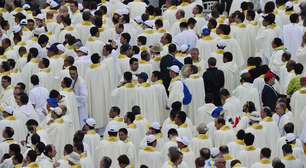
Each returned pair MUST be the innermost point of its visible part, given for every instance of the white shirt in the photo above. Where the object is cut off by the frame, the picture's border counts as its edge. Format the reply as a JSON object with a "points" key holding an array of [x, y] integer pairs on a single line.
{"points": [[38, 97]]}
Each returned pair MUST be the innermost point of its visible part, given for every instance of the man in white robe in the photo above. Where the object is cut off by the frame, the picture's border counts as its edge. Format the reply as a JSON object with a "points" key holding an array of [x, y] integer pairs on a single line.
{"points": [[57, 129], [147, 99], [25, 110], [91, 138], [129, 148], [282, 116], [204, 112], [85, 158], [195, 85], [237, 145], [250, 154], [97, 76], [224, 133], [230, 70], [136, 8], [162, 99], [82, 62], [111, 147], [247, 87], [265, 161], [289, 159], [75, 14], [293, 35], [114, 119], [297, 105], [6, 95], [79, 87], [71, 102], [38, 97], [125, 96], [188, 155], [83, 28], [149, 155], [257, 130], [271, 129], [201, 140], [206, 44], [231, 105], [47, 79], [7, 136], [186, 36], [176, 86], [9, 120], [93, 44]]}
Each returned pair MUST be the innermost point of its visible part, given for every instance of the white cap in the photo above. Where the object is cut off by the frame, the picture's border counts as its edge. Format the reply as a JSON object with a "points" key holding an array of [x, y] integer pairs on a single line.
{"points": [[150, 138], [175, 69], [91, 122], [40, 16], [74, 158], [221, 44], [183, 140], [254, 116], [57, 110], [9, 110], [113, 128], [53, 4], [26, 6], [290, 137], [184, 48], [149, 23], [155, 125], [214, 152], [122, 11], [61, 47], [23, 22], [83, 49], [49, 1], [16, 29], [289, 5]]}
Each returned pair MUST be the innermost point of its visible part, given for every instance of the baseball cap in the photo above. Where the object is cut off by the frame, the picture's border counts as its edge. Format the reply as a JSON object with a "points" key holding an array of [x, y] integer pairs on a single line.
{"points": [[52, 102], [217, 112], [150, 138], [53, 48], [83, 50], [9, 110], [206, 31], [174, 68], [183, 140], [90, 121]]}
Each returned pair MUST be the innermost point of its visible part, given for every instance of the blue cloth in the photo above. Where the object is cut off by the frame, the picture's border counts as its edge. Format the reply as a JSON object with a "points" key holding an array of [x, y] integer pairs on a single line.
{"points": [[217, 112], [52, 102], [187, 95]]}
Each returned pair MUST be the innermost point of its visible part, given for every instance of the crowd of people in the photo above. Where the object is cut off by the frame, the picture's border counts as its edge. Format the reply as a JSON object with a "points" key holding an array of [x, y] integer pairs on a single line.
{"points": [[191, 84]]}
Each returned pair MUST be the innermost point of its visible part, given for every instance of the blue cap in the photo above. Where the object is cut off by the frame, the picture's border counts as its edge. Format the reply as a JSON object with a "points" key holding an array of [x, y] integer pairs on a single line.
{"points": [[217, 112], [53, 102], [206, 31]]}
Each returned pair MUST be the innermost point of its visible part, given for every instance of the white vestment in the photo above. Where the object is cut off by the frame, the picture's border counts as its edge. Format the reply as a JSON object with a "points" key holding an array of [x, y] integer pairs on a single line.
{"points": [[195, 85], [204, 114], [150, 157], [293, 36], [232, 107], [124, 97], [230, 71], [224, 135], [253, 94], [18, 127], [259, 133], [297, 105], [99, 91], [71, 104], [38, 97], [206, 46], [199, 142], [249, 155]]}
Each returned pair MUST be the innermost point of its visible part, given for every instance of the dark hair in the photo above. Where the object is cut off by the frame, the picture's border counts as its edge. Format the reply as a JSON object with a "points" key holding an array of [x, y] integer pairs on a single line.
{"points": [[132, 60], [34, 80], [172, 48], [212, 61], [115, 109], [123, 130], [9, 131], [294, 18], [289, 128], [172, 131], [136, 110], [142, 40], [45, 61], [182, 116], [131, 116], [127, 36], [15, 148], [40, 148], [240, 134], [94, 31], [224, 92], [68, 148], [24, 98], [67, 81], [32, 155], [79, 146], [266, 152], [249, 139], [123, 159], [9, 79], [298, 68], [157, 74], [287, 148], [228, 55], [95, 58]]}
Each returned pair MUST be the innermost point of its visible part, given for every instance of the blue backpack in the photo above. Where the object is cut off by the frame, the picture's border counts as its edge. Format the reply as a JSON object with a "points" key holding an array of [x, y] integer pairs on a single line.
{"points": [[187, 95]]}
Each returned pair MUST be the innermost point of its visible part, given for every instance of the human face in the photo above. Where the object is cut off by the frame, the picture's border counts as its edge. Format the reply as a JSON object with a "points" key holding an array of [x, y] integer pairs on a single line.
{"points": [[279, 110], [153, 78], [73, 8], [194, 54], [134, 66], [172, 74], [123, 136], [5, 83], [73, 74], [53, 152], [17, 100]]}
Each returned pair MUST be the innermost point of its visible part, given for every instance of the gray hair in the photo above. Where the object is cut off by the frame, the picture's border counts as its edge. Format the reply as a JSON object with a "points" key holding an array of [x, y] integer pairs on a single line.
{"points": [[202, 128]]}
